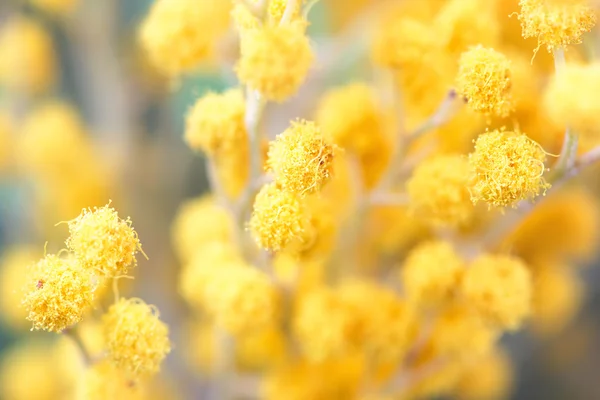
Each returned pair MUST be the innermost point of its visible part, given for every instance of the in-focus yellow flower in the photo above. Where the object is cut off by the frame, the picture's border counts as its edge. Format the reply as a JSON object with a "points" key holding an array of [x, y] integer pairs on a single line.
{"points": [[556, 23], [301, 158], [278, 218], [484, 80], [136, 339], [275, 59], [103, 242], [58, 293], [506, 167], [179, 34], [500, 288], [439, 193]]}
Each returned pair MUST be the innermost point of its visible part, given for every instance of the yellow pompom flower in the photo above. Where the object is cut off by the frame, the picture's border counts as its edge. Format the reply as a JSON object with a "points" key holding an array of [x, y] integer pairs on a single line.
{"points": [[484, 80], [571, 99], [215, 124], [431, 273], [56, 7], [275, 60], [28, 62], [104, 381], [136, 339], [241, 298], [278, 218], [301, 158], [489, 378], [179, 34], [500, 288], [456, 325], [566, 226], [52, 141], [439, 193], [58, 293], [558, 294], [200, 221], [103, 242], [506, 167], [556, 23], [326, 326]]}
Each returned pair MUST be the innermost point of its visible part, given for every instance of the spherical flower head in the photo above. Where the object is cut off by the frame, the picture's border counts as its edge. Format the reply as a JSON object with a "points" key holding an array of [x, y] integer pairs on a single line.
{"points": [[136, 339], [351, 117], [506, 167], [277, 219], [103, 242], [241, 299], [179, 34], [571, 99], [500, 288], [439, 193], [484, 80], [403, 43], [456, 324], [326, 326], [557, 297], [387, 323], [301, 158], [490, 377], [56, 7], [556, 23], [431, 273], [275, 60], [58, 293], [52, 137], [215, 124], [28, 62], [198, 222]]}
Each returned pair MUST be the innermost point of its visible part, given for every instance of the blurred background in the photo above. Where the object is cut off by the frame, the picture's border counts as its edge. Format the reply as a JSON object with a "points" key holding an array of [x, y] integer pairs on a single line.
{"points": [[111, 128]]}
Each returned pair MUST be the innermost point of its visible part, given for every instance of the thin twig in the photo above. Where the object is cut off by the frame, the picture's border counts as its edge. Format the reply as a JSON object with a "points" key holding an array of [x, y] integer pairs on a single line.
{"points": [[290, 8], [73, 333]]}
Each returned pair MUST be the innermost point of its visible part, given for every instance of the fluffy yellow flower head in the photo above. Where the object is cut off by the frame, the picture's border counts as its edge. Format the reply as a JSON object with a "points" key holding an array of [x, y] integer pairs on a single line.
{"points": [[136, 339], [199, 221], [103, 242], [28, 62], [490, 377], [326, 326], [506, 167], [438, 191], [278, 218], [215, 124], [301, 158], [350, 116], [52, 138], [180, 34], [275, 60], [571, 98], [484, 80], [558, 293], [56, 7], [431, 273], [500, 288], [556, 23], [241, 299], [58, 293]]}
